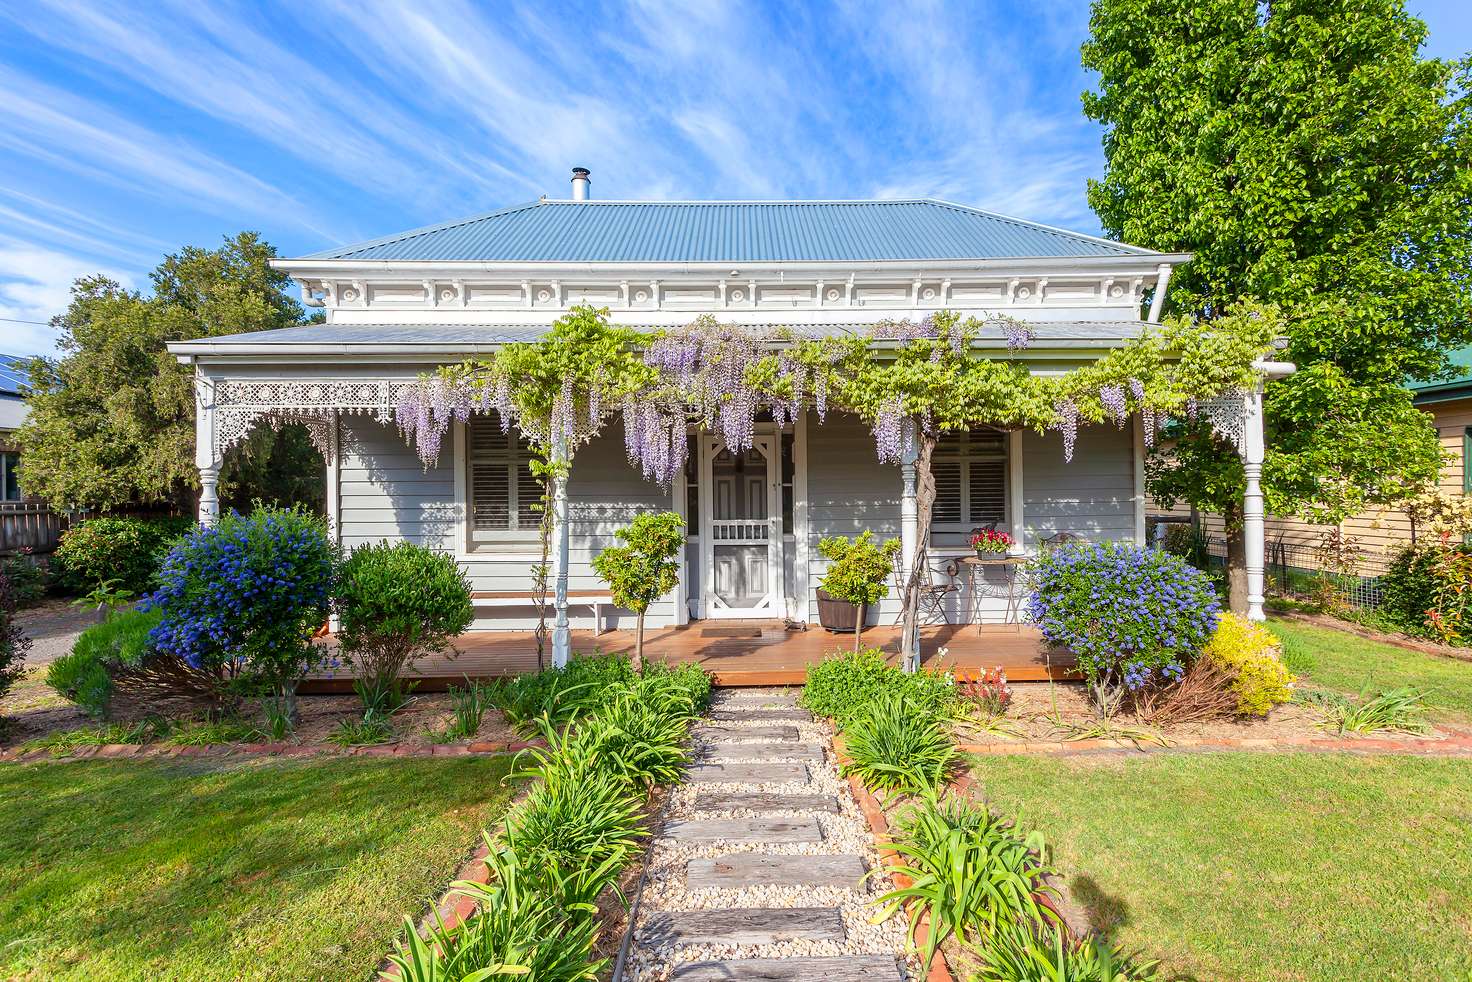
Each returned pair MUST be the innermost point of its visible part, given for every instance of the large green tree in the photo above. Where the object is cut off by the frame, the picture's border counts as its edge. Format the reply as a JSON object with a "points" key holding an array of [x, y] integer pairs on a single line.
{"points": [[111, 421], [1309, 157]]}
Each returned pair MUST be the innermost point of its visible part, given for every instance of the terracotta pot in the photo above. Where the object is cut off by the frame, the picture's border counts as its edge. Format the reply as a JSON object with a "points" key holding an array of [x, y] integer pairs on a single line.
{"points": [[839, 616]]}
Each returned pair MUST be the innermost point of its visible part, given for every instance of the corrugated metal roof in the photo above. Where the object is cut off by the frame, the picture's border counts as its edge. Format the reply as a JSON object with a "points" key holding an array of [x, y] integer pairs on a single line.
{"points": [[732, 231], [1458, 386], [447, 336], [13, 374]]}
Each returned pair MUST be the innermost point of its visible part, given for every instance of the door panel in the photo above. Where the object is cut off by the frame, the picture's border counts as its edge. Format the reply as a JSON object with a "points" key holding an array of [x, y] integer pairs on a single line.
{"points": [[738, 538]]}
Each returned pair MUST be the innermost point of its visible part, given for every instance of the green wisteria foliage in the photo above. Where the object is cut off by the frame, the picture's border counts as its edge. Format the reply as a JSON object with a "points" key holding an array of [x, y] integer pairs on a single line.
{"points": [[899, 377]]}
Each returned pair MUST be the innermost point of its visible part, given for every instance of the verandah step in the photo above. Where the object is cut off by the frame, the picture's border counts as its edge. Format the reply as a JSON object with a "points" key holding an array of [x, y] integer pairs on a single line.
{"points": [[749, 925], [853, 968], [797, 829], [748, 869], [763, 801]]}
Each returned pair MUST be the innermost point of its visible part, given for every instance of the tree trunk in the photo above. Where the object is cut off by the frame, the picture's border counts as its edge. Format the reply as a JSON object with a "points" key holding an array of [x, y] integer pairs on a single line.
{"points": [[859, 624], [924, 504], [1236, 563], [639, 642]]}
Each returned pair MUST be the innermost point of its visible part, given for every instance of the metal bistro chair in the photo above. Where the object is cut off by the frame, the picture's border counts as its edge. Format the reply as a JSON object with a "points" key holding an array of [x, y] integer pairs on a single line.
{"points": [[1059, 539], [932, 593]]}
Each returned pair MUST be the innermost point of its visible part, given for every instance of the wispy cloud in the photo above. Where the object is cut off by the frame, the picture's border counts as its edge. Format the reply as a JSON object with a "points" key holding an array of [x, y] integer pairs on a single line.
{"points": [[35, 285]]}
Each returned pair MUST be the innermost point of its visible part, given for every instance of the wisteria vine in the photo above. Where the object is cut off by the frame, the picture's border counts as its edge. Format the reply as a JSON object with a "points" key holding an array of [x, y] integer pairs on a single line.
{"points": [[559, 392]]}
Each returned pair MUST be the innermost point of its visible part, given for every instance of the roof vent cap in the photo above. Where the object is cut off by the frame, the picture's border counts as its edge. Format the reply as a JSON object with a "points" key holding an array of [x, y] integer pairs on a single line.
{"points": [[581, 182]]}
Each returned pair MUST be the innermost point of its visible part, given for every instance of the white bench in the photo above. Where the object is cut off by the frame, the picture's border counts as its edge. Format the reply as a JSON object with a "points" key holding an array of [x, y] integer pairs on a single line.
{"points": [[594, 599]]}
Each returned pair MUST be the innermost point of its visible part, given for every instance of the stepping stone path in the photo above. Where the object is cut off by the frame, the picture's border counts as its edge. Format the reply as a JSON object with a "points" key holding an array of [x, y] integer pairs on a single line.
{"points": [[760, 871]]}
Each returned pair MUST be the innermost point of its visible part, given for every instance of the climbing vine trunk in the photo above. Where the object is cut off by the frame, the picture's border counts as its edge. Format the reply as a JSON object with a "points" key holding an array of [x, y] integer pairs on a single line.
{"points": [[539, 574], [639, 642], [919, 563], [1236, 563]]}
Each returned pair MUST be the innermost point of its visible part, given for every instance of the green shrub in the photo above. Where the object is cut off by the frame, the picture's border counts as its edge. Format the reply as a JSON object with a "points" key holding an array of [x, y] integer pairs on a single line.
{"points": [[243, 598], [1250, 652], [395, 604], [1132, 616], [899, 745], [1025, 952], [644, 568], [128, 550], [845, 684], [13, 642], [85, 674], [1427, 591], [561, 694], [27, 580], [972, 873]]}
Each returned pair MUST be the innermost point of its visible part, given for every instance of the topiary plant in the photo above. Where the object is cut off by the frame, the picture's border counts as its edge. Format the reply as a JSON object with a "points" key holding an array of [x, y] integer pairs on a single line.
{"points": [[858, 571], [644, 568], [1132, 616], [395, 604], [1250, 652], [242, 599]]}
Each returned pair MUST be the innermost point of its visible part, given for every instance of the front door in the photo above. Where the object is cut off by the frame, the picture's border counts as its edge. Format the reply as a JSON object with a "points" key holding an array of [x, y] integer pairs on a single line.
{"points": [[741, 533]]}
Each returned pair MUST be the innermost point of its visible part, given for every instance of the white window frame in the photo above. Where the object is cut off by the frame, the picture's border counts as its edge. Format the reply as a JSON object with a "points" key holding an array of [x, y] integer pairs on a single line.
{"points": [[1007, 457], [501, 541]]}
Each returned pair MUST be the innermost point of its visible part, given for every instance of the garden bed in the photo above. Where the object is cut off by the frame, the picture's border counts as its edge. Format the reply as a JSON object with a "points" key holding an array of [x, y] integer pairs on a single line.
{"points": [[35, 714], [1063, 711]]}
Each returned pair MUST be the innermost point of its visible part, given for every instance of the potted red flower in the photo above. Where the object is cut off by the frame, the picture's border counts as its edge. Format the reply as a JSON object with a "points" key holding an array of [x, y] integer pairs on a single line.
{"points": [[990, 542]]}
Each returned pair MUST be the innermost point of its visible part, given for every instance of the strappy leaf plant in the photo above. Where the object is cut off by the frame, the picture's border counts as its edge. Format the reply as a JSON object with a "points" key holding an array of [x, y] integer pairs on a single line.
{"points": [[899, 746], [971, 872]]}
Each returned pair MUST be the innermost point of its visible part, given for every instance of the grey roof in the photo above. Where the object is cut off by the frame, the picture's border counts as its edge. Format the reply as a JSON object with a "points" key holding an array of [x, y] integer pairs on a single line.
{"points": [[732, 231], [13, 374], [430, 338]]}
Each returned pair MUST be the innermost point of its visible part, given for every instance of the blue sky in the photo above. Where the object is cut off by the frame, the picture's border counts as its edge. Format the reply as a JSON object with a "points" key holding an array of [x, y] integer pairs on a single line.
{"points": [[127, 133]]}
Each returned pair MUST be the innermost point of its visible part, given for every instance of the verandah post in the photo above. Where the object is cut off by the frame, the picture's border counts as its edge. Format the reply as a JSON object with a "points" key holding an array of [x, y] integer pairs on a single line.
{"points": [[561, 632], [909, 545], [1254, 450], [206, 457]]}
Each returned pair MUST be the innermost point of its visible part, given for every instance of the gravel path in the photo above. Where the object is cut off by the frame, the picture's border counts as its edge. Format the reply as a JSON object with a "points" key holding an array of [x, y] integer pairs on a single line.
{"points": [[53, 627], [758, 870]]}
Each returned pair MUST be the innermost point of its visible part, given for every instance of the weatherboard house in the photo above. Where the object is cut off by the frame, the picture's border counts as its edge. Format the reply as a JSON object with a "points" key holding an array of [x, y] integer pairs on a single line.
{"points": [[399, 306]]}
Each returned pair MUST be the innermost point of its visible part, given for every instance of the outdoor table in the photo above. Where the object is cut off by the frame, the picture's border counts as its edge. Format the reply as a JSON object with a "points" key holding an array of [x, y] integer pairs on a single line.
{"points": [[1011, 566]]}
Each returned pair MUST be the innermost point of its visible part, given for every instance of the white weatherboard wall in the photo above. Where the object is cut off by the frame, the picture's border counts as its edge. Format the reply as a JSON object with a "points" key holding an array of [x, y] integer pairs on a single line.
{"points": [[1092, 495], [387, 494]]}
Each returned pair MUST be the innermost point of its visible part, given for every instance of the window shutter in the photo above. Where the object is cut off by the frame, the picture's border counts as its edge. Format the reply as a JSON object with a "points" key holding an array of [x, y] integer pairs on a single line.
{"points": [[528, 496], [988, 479], [490, 496], [947, 475]]}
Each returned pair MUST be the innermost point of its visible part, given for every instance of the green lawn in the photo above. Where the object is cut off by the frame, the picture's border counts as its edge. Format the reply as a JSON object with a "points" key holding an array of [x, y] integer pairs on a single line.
{"points": [[259, 869], [1338, 660], [1262, 866]]}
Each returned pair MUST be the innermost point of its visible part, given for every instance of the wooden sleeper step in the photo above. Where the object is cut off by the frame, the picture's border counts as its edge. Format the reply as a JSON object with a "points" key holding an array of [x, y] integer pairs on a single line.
{"points": [[747, 869], [764, 801], [747, 773], [761, 751], [852, 968], [798, 829], [728, 731], [739, 926]]}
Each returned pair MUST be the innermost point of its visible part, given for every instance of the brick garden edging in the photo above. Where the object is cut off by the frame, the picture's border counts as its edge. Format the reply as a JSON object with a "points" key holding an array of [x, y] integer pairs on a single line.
{"points": [[878, 823], [1452, 745], [476, 748]]}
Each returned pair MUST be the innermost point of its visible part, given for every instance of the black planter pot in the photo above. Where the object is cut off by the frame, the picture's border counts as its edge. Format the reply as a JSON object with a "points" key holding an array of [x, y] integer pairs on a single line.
{"points": [[839, 616]]}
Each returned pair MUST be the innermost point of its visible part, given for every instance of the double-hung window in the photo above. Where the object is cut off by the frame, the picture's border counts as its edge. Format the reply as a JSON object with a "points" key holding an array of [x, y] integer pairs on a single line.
{"points": [[970, 471], [505, 498]]}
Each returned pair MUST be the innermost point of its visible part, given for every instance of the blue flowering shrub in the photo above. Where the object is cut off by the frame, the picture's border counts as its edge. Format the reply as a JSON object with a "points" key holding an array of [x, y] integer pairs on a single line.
{"points": [[242, 599], [1134, 617]]}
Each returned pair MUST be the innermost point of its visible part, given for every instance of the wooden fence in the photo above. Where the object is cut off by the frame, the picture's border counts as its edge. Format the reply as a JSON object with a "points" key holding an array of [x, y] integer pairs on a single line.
{"points": [[30, 525]]}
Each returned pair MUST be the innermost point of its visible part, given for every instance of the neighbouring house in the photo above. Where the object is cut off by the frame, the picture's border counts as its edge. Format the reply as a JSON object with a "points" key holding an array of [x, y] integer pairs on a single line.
{"points": [[1370, 540], [25, 525], [403, 304]]}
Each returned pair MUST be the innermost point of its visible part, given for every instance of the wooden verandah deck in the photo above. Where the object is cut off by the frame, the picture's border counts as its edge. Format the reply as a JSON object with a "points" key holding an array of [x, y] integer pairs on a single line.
{"points": [[741, 653]]}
